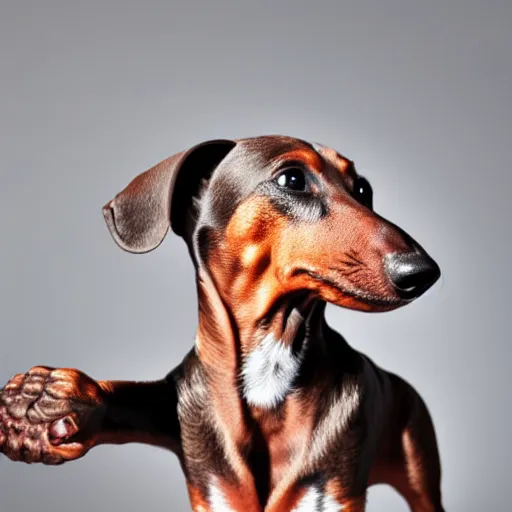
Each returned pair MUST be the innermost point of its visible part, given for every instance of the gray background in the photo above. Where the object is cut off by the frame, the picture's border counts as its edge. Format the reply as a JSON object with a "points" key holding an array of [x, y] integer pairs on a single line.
{"points": [[92, 93]]}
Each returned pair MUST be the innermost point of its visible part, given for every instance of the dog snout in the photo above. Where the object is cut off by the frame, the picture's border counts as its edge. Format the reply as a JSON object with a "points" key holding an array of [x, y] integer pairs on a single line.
{"points": [[411, 273]]}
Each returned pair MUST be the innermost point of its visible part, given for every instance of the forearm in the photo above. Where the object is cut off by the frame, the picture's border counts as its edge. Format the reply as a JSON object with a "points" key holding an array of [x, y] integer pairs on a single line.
{"points": [[140, 412], [53, 415]]}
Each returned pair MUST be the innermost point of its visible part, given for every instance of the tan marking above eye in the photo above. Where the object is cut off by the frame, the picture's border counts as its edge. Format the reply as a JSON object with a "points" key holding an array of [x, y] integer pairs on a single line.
{"points": [[342, 164], [308, 156]]}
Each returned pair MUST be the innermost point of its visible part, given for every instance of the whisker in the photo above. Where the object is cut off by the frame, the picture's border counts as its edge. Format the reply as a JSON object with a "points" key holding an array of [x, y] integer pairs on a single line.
{"points": [[351, 272], [353, 255]]}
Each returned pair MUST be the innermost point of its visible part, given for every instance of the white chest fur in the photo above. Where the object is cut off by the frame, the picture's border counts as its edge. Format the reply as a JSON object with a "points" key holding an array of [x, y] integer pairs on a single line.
{"points": [[315, 501], [217, 499], [268, 372]]}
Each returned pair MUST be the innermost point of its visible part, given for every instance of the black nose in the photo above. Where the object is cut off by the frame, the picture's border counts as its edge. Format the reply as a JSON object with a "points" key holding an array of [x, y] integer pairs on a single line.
{"points": [[411, 273]]}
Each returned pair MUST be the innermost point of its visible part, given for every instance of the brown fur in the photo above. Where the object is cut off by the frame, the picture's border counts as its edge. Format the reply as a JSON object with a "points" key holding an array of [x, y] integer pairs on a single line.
{"points": [[263, 270]]}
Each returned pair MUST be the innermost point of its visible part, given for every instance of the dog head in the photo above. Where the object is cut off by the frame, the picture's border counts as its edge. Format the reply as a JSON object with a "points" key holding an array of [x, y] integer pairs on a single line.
{"points": [[269, 217]]}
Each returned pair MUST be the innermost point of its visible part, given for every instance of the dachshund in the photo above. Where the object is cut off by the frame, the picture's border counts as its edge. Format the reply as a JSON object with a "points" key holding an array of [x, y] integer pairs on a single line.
{"points": [[272, 410]]}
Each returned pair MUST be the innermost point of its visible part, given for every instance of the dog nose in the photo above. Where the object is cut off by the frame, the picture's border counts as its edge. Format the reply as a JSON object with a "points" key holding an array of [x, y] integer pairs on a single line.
{"points": [[411, 273]]}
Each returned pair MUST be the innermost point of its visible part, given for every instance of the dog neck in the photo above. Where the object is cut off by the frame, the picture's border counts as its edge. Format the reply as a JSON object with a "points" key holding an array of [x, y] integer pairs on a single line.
{"points": [[275, 352], [260, 356], [267, 376]]}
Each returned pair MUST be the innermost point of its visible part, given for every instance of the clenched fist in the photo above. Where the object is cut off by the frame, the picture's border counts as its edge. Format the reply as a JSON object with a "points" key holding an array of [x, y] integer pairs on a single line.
{"points": [[50, 415]]}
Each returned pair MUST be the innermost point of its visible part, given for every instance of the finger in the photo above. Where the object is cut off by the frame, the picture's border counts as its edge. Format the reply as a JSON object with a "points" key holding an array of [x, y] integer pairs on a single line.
{"points": [[17, 407], [60, 388], [32, 387], [47, 409]]}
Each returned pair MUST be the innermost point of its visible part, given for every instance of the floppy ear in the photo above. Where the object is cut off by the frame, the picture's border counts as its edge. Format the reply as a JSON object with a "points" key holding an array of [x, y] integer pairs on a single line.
{"points": [[139, 217]]}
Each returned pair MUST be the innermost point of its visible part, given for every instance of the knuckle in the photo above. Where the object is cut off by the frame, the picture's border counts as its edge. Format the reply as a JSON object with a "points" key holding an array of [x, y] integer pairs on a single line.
{"points": [[41, 371], [60, 389], [14, 382], [62, 373], [32, 389]]}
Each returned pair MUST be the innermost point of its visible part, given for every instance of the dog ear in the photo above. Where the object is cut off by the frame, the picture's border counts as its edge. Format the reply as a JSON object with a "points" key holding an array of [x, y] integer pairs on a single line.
{"points": [[140, 216]]}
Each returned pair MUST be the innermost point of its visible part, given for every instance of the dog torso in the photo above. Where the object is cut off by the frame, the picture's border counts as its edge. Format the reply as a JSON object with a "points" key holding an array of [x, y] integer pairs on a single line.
{"points": [[314, 451]]}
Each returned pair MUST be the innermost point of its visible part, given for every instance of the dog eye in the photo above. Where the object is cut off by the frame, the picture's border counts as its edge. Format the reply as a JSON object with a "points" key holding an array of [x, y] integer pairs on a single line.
{"points": [[293, 179], [363, 192]]}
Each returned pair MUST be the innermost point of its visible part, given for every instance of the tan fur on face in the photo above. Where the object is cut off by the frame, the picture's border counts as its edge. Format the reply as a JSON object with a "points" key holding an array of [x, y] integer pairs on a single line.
{"points": [[245, 261], [262, 249]]}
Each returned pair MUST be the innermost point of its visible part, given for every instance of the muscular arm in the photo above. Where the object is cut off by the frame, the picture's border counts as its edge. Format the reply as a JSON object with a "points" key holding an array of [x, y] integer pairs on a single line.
{"points": [[140, 412], [55, 415]]}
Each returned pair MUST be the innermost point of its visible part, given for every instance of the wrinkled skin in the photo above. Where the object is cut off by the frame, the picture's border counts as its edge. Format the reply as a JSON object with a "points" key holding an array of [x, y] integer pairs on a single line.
{"points": [[49, 416]]}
